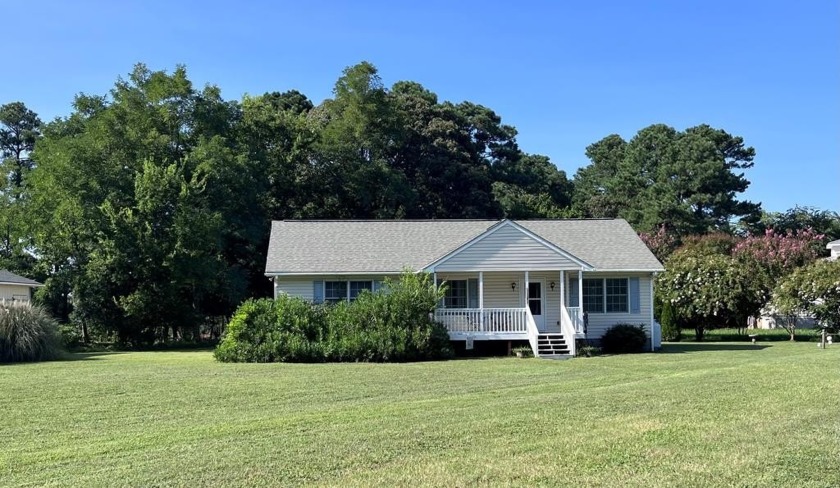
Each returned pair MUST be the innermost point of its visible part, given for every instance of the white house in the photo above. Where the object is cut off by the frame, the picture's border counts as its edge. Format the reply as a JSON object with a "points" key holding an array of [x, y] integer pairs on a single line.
{"points": [[545, 281], [834, 247], [16, 289]]}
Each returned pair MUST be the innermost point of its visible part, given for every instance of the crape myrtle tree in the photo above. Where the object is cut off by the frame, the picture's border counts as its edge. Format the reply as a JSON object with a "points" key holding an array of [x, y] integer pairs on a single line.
{"points": [[812, 290]]}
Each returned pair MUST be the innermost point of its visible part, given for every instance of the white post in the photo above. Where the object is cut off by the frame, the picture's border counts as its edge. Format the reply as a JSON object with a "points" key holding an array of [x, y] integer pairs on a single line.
{"points": [[562, 295], [526, 289], [652, 275], [481, 296], [580, 293]]}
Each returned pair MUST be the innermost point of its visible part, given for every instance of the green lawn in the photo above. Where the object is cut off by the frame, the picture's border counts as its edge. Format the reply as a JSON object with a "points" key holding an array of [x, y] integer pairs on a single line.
{"points": [[718, 414]]}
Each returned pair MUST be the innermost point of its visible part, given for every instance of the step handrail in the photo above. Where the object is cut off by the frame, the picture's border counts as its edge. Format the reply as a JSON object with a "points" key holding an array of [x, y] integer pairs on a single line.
{"points": [[568, 330], [533, 332]]}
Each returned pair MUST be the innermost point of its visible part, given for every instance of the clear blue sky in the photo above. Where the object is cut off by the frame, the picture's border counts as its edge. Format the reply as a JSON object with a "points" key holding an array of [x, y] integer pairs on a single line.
{"points": [[565, 74]]}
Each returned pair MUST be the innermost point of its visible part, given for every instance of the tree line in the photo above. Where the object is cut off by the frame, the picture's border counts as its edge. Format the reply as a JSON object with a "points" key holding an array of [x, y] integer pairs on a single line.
{"points": [[146, 211]]}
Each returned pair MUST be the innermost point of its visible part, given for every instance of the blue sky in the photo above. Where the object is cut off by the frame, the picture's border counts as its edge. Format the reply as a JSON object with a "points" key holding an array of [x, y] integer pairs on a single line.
{"points": [[565, 74]]}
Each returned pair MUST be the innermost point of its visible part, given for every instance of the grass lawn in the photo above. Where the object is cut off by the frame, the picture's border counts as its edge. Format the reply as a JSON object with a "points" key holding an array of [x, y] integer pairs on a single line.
{"points": [[716, 414]]}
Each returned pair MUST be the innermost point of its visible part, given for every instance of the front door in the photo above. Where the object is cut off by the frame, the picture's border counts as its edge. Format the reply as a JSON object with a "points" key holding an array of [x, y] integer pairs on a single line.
{"points": [[535, 303]]}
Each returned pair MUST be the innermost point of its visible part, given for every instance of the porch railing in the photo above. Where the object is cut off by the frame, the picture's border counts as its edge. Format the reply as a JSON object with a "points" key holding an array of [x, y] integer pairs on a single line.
{"points": [[576, 319], [533, 332], [489, 320], [568, 330]]}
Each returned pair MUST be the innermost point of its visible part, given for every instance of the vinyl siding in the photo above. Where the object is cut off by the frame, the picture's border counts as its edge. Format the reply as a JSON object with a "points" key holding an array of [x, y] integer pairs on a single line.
{"points": [[498, 293], [7, 292], [600, 322], [506, 249], [303, 286]]}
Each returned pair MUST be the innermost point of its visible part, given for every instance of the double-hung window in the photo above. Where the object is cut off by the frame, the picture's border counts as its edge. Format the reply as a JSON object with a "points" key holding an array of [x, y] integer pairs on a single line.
{"points": [[456, 294], [608, 295], [336, 291]]}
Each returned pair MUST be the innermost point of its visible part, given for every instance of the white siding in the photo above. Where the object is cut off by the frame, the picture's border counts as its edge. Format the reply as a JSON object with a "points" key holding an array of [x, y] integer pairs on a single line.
{"points": [[8, 292], [499, 294], [600, 322], [304, 287], [507, 248]]}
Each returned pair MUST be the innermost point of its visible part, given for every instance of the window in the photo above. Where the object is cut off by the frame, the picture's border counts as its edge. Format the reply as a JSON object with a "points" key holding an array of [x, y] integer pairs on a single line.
{"points": [[456, 294], [617, 295], [593, 296], [335, 291], [356, 287], [610, 295]]}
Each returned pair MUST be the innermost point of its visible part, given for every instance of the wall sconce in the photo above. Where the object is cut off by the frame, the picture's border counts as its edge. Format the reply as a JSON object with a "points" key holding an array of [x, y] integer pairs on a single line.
{"points": [[551, 285], [513, 285]]}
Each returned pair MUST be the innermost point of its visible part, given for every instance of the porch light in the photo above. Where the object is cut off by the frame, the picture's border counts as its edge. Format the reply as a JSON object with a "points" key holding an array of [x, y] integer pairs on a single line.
{"points": [[551, 285], [513, 285]]}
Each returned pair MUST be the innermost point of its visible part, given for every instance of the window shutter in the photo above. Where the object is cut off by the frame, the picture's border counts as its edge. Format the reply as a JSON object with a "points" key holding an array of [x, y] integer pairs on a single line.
{"points": [[633, 291], [573, 293], [318, 292], [472, 293], [377, 285]]}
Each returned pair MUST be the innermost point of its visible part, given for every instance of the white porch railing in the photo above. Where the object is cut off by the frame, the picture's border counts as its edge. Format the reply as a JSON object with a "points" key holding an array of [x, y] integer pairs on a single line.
{"points": [[576, 319], [533, 332], [489, 320], [568, 330], [15, 302]]}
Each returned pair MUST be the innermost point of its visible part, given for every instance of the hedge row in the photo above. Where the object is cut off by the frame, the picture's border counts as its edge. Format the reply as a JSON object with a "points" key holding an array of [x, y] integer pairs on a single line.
{"points": [[395, 324]]}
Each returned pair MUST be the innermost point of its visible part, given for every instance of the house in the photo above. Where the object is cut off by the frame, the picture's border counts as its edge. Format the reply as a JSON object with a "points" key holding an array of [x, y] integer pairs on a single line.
{"points": [[16, 289], [545, 281], [834, 247]]}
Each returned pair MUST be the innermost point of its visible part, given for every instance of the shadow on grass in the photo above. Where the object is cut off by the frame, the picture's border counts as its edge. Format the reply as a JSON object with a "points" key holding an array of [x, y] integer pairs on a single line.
{"points": [[677, 348], [86, 356]]}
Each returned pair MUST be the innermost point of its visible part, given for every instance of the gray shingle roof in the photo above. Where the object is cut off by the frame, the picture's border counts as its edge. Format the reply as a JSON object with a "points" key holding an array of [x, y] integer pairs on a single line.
{"points": [[9, 277], [389, 246]]}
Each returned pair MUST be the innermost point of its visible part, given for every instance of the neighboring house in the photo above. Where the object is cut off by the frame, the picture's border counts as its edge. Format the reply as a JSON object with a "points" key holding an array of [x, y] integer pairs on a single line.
{"points": [[834, 247], [506, 280], [14, 288]]}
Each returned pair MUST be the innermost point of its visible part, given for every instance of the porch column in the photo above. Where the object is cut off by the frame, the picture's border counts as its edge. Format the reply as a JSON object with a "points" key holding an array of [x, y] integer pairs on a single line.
{"points": [[481, 297], [580, 293], [562, 295], [526, 289]]}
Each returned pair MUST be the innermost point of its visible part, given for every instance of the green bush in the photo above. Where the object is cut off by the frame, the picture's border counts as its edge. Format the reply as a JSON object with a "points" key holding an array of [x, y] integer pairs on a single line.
{"points": [[670, 327], [27, 334], [624, 338], [392, 325]]}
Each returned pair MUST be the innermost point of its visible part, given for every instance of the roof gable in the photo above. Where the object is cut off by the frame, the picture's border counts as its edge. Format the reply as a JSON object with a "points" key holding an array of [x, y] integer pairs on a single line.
{"points": [[507, 246]]}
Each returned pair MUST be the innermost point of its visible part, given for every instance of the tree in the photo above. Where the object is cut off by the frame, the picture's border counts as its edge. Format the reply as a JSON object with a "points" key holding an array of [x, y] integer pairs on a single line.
{"points": [[688, 181], [19, 130], [708, 290], [811, 290], [797, 219]]}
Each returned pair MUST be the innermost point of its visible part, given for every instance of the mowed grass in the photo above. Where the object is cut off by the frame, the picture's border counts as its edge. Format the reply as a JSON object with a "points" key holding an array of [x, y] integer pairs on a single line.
{"points": [[718, 414]]}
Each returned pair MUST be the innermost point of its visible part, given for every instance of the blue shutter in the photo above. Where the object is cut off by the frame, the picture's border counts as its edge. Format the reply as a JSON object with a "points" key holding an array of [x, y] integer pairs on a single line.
{"points": [[318, 292], [472, 293], [573, 294], [633, 291], [377, 285]]}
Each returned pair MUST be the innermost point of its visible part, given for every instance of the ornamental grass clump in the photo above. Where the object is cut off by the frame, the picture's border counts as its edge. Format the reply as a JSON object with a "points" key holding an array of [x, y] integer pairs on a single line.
{"points": [[27, 333]]}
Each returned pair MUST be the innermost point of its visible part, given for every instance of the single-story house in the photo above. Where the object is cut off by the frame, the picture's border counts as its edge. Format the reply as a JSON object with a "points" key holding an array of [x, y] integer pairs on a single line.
{"points": [[834, 247], [14, 288], [545, 281]]}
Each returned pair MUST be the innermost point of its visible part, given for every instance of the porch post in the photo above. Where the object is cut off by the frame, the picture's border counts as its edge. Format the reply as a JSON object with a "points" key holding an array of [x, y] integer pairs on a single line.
{"points": [[526, 289], [580, 293], [481, 297], [562, 294]]}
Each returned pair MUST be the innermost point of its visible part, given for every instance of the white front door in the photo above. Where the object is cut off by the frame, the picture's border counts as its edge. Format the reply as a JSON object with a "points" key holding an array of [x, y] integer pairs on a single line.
{"points": [[535, 303]]}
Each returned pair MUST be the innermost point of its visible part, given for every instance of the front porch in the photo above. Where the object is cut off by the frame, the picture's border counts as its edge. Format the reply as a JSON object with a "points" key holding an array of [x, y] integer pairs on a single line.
{"points": [[531, 306]]}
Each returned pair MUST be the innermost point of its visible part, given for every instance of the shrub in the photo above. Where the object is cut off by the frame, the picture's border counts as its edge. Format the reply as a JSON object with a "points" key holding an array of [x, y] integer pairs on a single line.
{"points": [[392, 325], [670, 327], [624, 338], [27, 334]]}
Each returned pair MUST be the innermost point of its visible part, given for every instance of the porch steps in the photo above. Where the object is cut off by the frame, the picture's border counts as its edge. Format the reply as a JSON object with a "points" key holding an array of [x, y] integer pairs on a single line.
{"points": [[552, 346]]}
